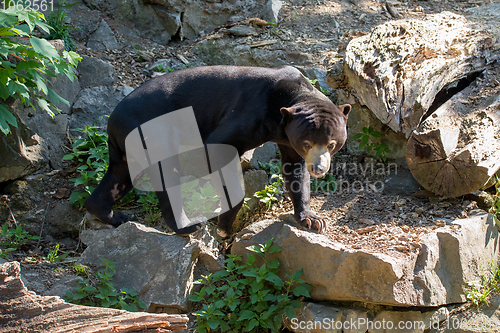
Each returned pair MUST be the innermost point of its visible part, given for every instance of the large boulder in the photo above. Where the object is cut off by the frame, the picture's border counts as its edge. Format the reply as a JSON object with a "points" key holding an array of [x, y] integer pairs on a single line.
{"points": [[96, 72], [449, 257], [21, 152], [160, 20], [400, 67], [157, 265], [103, 38], [93, 104]]}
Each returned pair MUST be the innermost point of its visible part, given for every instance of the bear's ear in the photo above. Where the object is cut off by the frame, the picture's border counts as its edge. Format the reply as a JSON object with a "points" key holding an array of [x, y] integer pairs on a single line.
{"points": [[287, 114], [345, 108]]}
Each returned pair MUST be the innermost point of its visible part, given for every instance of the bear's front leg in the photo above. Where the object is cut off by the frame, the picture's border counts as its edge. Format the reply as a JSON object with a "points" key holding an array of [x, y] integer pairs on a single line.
{"points": [[297, 182]]}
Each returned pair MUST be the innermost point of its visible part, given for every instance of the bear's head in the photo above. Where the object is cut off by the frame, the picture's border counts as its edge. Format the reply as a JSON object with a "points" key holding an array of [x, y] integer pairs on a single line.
{"points": [[316, 130]]}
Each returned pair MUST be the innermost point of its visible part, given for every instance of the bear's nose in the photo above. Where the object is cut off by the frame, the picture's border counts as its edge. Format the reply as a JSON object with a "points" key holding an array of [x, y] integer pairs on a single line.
{"points": [[318, 170]]}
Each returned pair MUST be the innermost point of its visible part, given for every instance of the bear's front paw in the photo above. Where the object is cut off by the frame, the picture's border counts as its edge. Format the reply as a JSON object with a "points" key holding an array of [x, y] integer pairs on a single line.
{"points": [[313, 222]]}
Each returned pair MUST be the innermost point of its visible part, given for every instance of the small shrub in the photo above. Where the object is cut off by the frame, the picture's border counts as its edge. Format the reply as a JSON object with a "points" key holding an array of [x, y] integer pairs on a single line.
{"points": [[92, 152], [271, 193], [14, 238], [80, 269], [149, 206], [25, 69], [53, 255], [327, 183], [248, 298], [60, 30], [103, 293], [368, 132], [479, 291]]}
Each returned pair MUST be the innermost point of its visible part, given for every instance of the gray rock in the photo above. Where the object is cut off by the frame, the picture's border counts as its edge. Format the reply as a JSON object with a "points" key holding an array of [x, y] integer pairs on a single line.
{"points": [[262, 154], [449, 257], [157, 265], [96, 72], [255, 180], [160, 20], [85, 19], [242, 31], [317, 74], [482, 318], [103, 38], [225, 51], [271, 10], [67, 89], [94, 103], [21, 151], [320, 318]]}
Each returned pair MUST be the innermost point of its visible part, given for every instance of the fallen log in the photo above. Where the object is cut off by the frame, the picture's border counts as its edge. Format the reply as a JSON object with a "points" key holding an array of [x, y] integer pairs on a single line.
{"points": [[400, 67], [24, 311], [457, 149]]}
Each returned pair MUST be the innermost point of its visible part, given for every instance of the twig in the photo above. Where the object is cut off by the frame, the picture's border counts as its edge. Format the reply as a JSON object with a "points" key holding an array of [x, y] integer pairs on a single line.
{"points": [[11, 214], [43, 224]]}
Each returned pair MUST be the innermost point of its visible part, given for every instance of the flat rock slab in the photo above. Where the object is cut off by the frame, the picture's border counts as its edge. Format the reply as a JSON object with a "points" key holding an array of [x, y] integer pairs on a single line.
{"points": [[157, 265], [24, 311], [436, 275], [319, 318]]}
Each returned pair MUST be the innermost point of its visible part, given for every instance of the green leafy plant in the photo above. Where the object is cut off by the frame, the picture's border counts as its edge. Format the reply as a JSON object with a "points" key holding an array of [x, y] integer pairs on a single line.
{"points": [[57, 20], [103, 293], [200, 200], [25, 69], [245, 297], [317, 86], [479, 291], [53, 255], [92, 152], [14, 238], [4, 252], [80, 269], [164, 69], [149, 206], [327, 183], [271, 193], [367, 143]]}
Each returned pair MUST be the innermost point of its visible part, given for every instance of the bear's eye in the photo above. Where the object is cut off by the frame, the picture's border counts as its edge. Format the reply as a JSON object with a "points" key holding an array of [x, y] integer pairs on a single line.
{"points": [[307, 145]]}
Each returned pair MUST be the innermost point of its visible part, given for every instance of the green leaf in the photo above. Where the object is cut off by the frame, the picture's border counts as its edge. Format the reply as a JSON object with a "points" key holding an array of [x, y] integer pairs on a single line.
{"points": [[275, 279], [253, 323], [43, 47], [250, 258], [6, 118], [357, 136], [364, 141], [213, 323], [274, 248], [246, 315], [195, 298], [302, 290]]}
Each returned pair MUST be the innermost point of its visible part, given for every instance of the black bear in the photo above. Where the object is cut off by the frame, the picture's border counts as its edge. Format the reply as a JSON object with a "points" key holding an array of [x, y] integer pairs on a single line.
{"points": [[239, 106]]}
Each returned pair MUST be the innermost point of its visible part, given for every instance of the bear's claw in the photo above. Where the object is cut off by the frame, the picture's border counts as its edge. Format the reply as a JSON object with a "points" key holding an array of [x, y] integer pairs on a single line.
{"points": [[314, 223]]}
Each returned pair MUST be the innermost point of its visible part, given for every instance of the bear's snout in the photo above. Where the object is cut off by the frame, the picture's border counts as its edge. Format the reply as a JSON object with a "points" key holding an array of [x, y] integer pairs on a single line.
{"points": [[318, 161]]}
